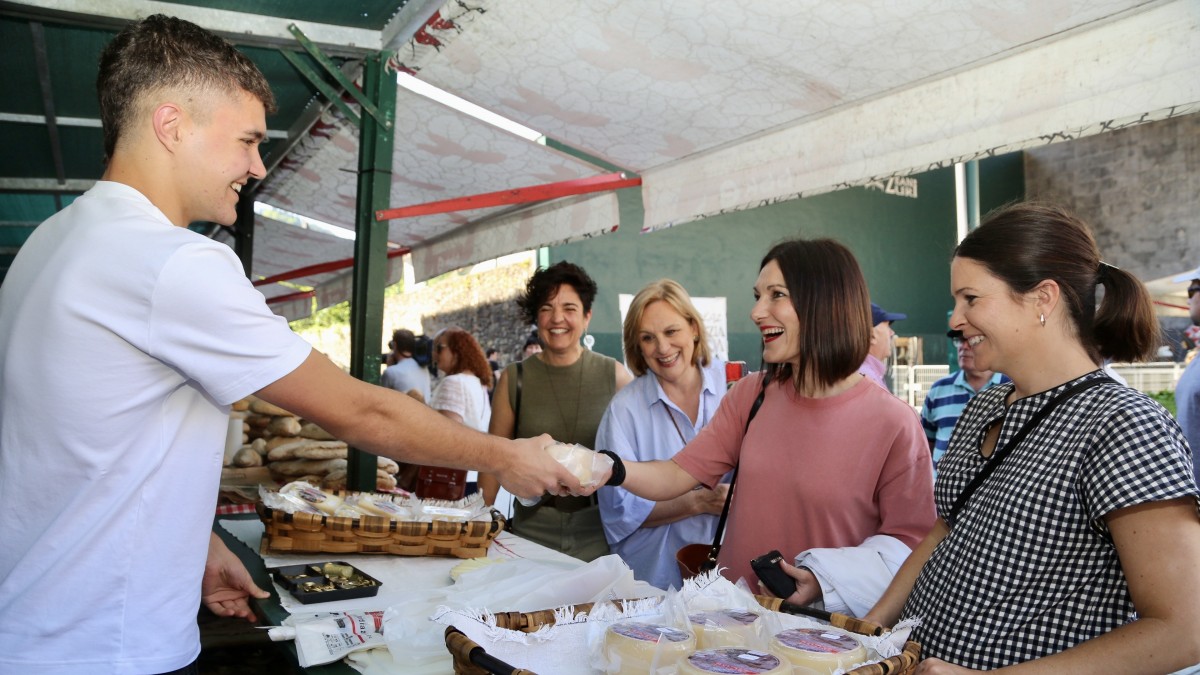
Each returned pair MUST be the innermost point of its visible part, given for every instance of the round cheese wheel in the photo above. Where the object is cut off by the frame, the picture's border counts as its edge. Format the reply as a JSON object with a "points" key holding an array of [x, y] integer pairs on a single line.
{"points": [[820, 650], [733, 660], [724, 628], [630, 647]]}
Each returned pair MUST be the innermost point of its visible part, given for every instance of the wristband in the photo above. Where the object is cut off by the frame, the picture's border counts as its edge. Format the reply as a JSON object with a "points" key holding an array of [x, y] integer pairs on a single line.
{"points": [[618, 469]]}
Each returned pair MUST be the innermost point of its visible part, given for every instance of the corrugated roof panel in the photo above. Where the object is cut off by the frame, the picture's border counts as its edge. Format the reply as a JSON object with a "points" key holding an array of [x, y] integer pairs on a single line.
{"points": [[73, 53], [19, 90]]}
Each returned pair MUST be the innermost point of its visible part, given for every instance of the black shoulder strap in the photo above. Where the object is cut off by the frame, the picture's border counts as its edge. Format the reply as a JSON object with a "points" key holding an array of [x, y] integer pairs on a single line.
{"points": [[999, 455], [517, 402], [711, 562]]}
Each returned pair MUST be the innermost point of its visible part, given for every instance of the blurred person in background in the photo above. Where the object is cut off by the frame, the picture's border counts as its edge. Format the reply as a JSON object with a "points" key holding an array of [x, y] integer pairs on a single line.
{"points": [[563, 390], [949, 395], [678, 388], [875, 366]]}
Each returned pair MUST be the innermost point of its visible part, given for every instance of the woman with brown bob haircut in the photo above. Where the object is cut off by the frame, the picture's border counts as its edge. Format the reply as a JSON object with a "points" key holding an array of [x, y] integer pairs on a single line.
{"points": [[831, 461]]}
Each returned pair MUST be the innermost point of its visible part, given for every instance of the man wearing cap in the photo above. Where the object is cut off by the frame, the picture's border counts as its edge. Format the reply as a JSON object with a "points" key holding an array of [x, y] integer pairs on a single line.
{"points": [[405, 375], [1187, 389], [949, 395], [875, 367]]}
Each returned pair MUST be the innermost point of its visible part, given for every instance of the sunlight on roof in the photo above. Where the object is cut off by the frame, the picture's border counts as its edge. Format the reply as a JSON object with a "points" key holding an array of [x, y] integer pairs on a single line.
{"points": [[447, 99]]}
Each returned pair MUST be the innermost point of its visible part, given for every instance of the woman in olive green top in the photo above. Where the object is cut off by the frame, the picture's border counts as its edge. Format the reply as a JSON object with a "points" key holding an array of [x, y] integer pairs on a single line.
{"points": [[562, 391]]}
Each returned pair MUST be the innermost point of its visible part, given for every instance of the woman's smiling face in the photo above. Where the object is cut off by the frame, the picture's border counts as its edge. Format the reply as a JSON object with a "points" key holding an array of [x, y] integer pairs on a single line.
{"points": [[667, 341], [775, 316], [991, 319]]}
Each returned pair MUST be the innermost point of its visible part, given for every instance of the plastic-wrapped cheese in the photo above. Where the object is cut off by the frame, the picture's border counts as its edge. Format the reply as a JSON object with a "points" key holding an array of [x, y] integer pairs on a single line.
{"points": [[381, 506], [311, 495], [820, 650], [576, 458], [724, 628], [631, 647], [733, 660]]}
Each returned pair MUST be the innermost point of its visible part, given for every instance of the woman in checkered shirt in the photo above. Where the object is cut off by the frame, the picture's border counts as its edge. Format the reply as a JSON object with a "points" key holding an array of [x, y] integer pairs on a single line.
{"points": [[1081, 552]]}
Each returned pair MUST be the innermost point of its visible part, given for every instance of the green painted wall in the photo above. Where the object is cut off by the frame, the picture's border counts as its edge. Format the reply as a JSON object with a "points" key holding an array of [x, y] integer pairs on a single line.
{"points": [[903, 245]]}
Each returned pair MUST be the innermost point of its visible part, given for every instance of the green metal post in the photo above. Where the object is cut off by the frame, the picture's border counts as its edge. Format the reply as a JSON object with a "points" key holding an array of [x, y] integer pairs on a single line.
{"points": [[370, 244], [243, 230]]}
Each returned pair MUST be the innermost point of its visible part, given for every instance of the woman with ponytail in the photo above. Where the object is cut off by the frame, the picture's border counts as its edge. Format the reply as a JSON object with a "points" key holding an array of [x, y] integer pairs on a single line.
{"points": [[1068, 534]]}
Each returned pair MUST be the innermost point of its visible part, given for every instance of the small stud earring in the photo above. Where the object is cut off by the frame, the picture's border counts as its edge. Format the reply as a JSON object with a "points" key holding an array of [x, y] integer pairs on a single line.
{"points": [[1042, 318]]}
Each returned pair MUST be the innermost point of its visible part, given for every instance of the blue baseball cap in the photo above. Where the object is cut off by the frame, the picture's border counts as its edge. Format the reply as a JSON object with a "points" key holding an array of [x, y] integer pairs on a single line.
{"points": [[879, 315]]}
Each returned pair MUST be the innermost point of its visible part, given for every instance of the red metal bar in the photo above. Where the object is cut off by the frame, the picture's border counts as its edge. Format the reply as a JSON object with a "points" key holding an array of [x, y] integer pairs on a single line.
{"points": [[321, 268], [524, 195], [1167, 304], [291, 296]]}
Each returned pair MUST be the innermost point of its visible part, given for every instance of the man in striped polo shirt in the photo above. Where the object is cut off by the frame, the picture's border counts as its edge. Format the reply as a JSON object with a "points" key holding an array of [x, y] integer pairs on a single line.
{"points": [[949, 395]]}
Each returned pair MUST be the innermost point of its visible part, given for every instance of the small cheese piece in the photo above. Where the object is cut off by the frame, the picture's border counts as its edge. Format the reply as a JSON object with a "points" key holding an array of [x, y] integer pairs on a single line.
{"points": [[379, 505], [470, 565], [820, 650], [733, 660], [633, 647], [724, 628]]}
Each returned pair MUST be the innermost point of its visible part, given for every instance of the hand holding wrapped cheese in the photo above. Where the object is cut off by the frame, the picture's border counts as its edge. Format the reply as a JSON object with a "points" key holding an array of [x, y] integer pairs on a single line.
{"points": [[585, 465]]}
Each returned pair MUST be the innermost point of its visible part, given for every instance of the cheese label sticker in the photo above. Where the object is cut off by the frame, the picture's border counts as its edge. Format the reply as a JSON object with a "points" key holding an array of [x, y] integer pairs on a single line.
{"points": [[650, 632], [734, 660], [817, 640]]}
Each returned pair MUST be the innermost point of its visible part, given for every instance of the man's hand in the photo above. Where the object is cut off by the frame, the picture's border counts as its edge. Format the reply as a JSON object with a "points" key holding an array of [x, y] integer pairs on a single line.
{"points": [[532, 472], [808, 589], [227, 583]]}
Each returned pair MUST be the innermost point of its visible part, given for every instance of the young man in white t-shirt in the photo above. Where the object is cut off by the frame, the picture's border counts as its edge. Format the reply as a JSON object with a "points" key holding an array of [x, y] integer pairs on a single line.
{"points": [[109, 463]]}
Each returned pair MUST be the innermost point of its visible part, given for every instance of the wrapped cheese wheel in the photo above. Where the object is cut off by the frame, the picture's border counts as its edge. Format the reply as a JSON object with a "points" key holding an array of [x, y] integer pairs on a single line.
{"points": [[724, 628], [632, 647], [378, 505], [820, 650], [312, 495], [733, 660]]}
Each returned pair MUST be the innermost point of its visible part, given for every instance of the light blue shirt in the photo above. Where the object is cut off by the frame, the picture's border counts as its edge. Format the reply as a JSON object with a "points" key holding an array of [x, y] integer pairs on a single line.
{"points": [[636, 427], [405, 375]]}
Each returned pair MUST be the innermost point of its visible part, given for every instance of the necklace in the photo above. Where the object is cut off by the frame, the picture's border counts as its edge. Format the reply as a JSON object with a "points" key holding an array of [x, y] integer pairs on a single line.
{"points": [[671, 416], [550, 375]]}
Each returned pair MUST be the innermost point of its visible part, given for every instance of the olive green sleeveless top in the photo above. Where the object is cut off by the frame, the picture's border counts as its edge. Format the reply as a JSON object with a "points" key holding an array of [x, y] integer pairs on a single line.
{"points": [[566, 402]]}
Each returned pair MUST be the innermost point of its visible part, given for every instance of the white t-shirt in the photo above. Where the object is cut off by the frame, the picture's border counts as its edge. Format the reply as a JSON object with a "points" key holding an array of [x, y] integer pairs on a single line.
{"points": [[464, 394], [123, 340]]}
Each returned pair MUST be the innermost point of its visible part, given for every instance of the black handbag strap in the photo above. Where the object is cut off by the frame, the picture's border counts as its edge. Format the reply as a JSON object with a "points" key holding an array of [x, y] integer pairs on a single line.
{"points": [[999, 455], [517, 403], [711, 561]]}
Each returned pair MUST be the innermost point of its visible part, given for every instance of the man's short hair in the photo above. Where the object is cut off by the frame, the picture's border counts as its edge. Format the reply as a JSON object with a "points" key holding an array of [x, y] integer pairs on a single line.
{"points": [[404, 341], [161, 52]]}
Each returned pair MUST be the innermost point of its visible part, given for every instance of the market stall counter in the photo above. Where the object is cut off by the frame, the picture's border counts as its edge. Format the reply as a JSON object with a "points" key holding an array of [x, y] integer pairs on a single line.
{"points": [[403, 581]]}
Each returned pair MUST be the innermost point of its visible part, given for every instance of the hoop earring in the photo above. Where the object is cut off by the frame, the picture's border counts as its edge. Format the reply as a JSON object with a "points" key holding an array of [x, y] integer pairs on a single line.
{"points": [[1042, 318]]}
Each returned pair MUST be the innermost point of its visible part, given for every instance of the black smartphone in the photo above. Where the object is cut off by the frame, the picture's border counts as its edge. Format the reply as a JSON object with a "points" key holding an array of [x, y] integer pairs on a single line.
{"points": [[766, 566]]}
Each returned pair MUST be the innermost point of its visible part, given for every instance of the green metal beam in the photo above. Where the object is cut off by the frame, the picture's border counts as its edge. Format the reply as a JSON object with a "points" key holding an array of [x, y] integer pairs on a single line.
{"points": [[314, 78], [376, 140], [336, 73]]}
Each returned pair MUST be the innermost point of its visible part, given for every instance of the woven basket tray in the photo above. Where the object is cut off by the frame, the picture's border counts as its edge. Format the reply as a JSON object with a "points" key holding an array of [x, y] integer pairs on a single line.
{"points": [[311, 533], [471, 659]]}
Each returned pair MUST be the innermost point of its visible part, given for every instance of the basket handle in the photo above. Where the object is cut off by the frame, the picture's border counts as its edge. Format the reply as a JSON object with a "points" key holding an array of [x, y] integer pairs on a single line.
{"points": [[458, 642], [840, 620]]}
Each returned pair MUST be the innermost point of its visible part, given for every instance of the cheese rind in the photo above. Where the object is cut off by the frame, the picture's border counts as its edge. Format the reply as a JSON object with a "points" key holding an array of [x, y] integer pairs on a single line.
{"points": [[631, 647], [733, 660], [821, 650]]}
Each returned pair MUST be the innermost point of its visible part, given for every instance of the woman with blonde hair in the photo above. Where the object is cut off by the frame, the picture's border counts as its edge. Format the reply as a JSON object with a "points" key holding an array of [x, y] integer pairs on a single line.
{"points": [[676, 392]]}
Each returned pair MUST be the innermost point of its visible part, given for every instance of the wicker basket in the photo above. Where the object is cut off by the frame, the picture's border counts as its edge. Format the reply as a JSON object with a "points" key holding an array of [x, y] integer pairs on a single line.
{"points": [[311, 533], [471, 659]]}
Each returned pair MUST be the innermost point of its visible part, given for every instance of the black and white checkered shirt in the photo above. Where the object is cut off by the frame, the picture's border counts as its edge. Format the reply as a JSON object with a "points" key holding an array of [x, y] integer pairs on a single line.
{"points": [[1029, 568]]}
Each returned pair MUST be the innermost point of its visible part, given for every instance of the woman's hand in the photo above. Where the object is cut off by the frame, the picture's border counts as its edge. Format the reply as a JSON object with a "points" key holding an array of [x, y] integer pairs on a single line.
{"points": [[808, 589]]}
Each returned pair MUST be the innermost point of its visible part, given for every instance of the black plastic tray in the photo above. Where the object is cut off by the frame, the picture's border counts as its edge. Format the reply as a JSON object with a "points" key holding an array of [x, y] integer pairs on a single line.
{"points": [[308, 583]]}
